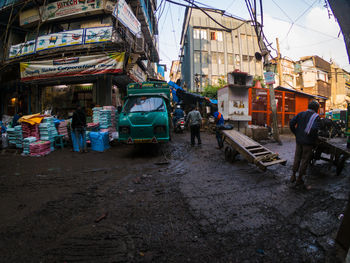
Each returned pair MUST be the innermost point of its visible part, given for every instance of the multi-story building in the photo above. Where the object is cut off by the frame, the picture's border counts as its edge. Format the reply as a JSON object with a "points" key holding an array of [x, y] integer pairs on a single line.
{"points": [[209, 51], [60, 53], [315, 76], [289, 76], [175, 71], [340, 83]]}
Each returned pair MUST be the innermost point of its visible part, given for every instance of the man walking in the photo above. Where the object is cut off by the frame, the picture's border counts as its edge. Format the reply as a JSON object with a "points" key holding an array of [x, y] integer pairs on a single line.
{"points": [[305, 126], [79, 127], [194, 118], [219, 121]]}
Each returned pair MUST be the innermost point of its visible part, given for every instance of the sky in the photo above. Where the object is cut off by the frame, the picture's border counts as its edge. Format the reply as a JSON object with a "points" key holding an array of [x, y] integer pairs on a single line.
{"points": [[303, 27]]}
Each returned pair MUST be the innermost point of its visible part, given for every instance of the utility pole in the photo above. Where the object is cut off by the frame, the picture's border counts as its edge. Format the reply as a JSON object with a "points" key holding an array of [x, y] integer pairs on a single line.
{"points": [[279, 64], [266, 53]]}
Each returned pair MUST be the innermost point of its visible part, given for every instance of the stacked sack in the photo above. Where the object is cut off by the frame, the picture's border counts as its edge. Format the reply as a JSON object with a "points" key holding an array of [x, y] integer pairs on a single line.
{"points": [[26, 144], [11, 136], [112, 109], [96, 114], [48, 130], [62, 129], [19, 136], [29, 130], [40, 148], [105, 119]]}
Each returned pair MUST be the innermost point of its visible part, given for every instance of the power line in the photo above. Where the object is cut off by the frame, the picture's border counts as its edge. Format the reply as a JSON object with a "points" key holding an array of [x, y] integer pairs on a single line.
{"points": [[172, 23], [298, 19], [282, 11], [315, 44], [230, 5]]}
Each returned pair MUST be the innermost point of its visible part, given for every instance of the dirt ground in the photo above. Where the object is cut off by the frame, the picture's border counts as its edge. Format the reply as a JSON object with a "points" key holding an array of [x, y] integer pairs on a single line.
{"points": [[182, 204]]}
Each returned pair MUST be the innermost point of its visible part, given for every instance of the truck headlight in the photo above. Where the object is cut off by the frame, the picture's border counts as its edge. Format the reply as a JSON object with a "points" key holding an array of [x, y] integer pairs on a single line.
{"points": [[159, 129], [124, 129]]}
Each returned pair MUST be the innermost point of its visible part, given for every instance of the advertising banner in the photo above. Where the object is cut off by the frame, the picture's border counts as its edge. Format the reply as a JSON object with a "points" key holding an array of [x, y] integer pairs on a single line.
{"points": [[125, 15], [98, 34], [60, 39], [75, 66], [22, 49], [269, 78], [137, 74], [70, 7]]}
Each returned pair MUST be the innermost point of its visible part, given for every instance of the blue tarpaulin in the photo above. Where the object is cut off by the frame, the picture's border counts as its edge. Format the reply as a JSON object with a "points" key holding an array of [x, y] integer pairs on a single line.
{"points": [[174, 88]]}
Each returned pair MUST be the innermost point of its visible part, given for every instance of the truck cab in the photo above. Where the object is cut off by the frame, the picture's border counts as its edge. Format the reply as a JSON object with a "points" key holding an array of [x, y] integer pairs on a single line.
{"points": [[145, 117]]}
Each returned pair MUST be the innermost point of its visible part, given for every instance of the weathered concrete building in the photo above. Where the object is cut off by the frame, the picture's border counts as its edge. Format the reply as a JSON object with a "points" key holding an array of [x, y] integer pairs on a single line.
{"points": [[209, 51], [175, 71], [340, 83], [60, 53]]}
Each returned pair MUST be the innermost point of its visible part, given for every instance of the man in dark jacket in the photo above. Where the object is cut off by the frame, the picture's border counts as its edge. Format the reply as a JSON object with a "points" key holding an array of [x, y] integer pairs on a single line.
{"points": [[305, 128], [79, 127]]}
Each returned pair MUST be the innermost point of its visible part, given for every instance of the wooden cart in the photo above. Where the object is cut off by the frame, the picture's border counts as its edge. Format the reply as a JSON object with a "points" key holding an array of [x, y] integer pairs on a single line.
{"points": [[252, 151], [337, 156]]}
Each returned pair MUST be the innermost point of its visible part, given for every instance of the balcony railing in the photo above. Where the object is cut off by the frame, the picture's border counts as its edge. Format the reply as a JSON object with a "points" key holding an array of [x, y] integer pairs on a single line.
{"points": [[62, 39]]}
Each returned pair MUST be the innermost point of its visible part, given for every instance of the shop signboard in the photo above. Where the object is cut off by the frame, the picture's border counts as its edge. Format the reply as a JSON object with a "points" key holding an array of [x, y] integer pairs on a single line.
{"points": [[138, 74], [125, 15], [22, 49], [71, 8], [60, 39], [98, 34], [269, 78], [74, 66]]}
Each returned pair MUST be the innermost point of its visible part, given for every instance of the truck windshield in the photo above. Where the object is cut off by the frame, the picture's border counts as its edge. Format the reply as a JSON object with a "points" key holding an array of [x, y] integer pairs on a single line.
{"points": [[144, 104]]}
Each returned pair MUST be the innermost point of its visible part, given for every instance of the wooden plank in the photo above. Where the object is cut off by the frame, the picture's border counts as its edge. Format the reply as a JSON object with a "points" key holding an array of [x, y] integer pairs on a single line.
{"points": [[280, 161], [252, 147], [257, 150], [262, 153], [240, 138]]}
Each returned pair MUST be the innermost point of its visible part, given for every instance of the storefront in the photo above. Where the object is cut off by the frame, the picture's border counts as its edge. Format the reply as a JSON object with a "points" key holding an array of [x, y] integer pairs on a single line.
{"points": [[61, 84], [288, 102]]}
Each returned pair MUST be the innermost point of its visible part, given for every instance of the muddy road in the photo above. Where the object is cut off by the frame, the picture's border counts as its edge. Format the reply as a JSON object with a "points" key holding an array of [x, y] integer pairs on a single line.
{"points": [[182, 204]]}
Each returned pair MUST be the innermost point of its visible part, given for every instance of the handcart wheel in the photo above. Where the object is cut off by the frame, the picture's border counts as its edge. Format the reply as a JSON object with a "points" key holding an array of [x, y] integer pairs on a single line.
{"points": [[230, 154]]}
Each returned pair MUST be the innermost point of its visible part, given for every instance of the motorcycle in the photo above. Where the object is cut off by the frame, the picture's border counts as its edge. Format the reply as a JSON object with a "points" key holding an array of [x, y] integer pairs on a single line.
{"points": [[180, 125]]}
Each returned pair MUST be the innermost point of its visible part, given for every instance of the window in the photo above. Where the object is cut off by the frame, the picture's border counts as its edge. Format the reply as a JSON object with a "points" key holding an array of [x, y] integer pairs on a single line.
{"points": [[230, 59], [196, 33], [144, 104], [219, 36], [214, 58], [204, 57], [228, 37], [212, 35], [204, 34], [221, 58], [197, 57]]}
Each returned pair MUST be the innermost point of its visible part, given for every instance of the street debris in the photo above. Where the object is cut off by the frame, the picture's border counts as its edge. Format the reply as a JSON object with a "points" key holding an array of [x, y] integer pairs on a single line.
{"points": [[103, 216]]}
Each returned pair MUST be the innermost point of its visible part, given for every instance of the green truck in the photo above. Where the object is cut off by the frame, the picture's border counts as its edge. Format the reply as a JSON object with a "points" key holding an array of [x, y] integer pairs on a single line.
{"points": [[145, 117]]}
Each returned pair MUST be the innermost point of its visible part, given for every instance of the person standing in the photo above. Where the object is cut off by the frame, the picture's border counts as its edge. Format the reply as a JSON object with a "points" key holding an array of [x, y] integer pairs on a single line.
{"points": [[305, 126], [219, 121], [79, 127], [194, 118]]}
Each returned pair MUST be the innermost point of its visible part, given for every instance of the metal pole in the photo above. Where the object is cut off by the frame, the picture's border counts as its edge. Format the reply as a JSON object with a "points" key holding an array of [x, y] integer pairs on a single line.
{"points": [[276, 135]]}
